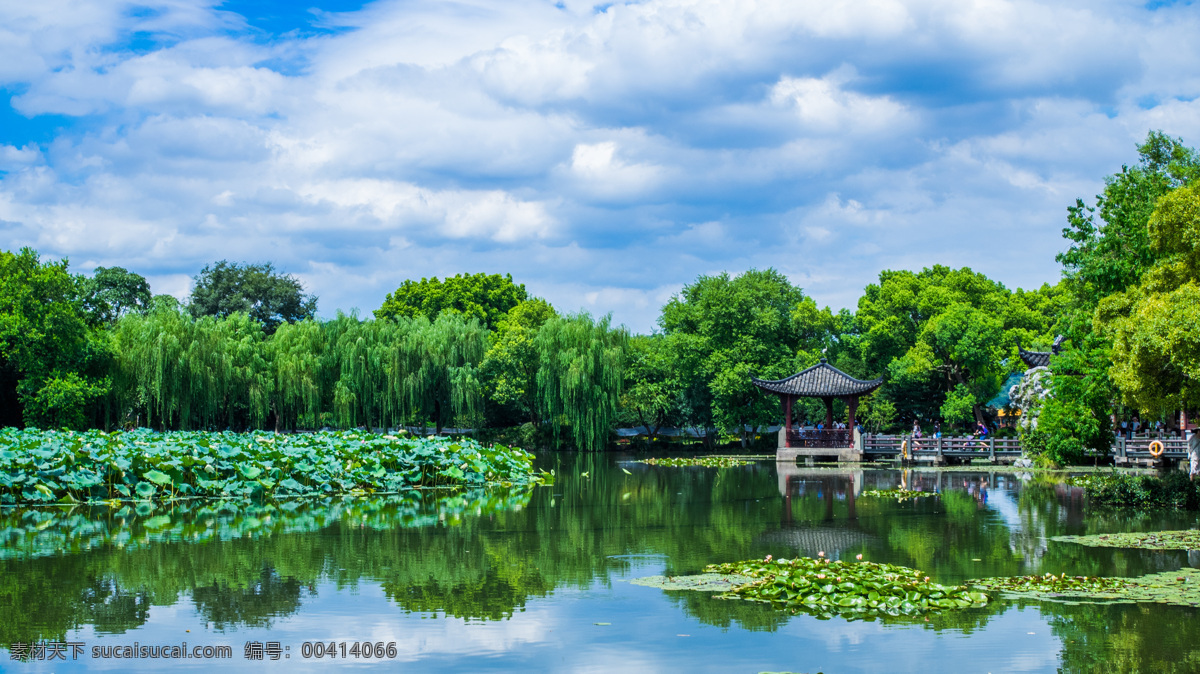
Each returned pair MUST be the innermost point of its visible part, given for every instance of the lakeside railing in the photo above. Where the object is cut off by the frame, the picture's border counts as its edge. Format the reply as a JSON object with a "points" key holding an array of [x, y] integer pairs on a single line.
{"points": [[1124, 450], [811, 437]]}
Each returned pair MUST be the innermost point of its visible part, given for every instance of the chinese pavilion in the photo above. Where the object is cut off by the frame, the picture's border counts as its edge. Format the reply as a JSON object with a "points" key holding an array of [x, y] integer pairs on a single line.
{"points": [[822, 381]]}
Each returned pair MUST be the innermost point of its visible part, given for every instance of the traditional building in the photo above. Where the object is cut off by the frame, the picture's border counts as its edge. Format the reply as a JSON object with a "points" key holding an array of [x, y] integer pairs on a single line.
{"points": [[1034, 359], [822, 381]]}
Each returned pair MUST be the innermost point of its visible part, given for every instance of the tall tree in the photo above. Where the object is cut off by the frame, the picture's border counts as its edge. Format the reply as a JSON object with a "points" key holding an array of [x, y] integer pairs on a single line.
{"points": [[51, 364], [1155, 326], [112, 292], [580, 373], [510, 366], [722, 329], [1110, 244], [938, 329], [267, 296], [486, 297]]}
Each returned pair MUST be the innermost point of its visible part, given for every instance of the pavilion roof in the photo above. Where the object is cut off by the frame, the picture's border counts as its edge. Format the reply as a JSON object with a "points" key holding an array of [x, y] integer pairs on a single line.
{"points": [[1035, 358], [1040, 358], [819, 381]]}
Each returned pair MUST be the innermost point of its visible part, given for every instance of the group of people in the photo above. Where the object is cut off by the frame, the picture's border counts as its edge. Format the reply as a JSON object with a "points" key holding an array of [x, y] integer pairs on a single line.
{"points": [[981, 432], [1129, 428]]}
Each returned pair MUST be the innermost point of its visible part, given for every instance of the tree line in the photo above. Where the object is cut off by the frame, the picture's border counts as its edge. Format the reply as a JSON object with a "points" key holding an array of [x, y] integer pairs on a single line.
{"points": [[246, 351]]}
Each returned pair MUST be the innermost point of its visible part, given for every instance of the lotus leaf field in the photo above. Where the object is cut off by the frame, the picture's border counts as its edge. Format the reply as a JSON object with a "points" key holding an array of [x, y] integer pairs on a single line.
{"points": [[898, 494], [704, 461], [92, 466], [850, 589]]}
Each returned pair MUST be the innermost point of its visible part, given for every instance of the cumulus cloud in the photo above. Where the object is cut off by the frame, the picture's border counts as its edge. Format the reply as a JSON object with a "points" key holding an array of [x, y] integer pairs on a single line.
{"points": [[604, 155]]}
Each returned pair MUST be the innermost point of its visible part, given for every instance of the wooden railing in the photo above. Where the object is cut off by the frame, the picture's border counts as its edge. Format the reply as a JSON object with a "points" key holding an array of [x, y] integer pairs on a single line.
{"points": [[1123, 450], [1139, 448], [806, 437], [938, 448]]}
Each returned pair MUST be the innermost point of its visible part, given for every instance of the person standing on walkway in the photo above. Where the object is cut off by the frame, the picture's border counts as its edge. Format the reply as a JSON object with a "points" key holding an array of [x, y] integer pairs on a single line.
{"points": [[1193, 453]]}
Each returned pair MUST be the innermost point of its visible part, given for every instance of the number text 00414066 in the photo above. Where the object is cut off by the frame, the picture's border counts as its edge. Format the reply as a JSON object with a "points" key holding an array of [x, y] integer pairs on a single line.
{"points": [[353, 649]]}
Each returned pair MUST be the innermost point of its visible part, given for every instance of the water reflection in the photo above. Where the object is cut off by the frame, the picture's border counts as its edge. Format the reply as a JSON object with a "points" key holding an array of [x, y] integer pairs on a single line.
{"points": [[509, 558]]}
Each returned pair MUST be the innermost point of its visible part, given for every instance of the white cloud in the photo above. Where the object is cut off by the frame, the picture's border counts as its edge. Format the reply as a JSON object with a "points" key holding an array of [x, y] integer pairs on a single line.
{"points": [[599, 156]]}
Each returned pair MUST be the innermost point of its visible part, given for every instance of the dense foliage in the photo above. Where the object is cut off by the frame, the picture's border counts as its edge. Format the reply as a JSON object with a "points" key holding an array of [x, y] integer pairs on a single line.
{"points": [[487, 297], [47, 466], [223, 289], [1118, 490]]}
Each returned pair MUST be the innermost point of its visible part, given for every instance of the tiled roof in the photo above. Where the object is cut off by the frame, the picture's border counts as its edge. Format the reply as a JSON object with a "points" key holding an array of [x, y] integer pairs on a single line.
{"points": [[1041, 358], [1035, 358], [820, 380]]}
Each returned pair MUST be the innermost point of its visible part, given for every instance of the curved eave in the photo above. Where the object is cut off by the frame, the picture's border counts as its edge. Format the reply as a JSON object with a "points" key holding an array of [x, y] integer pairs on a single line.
{"points": [[832, 383], [1035, 358]]}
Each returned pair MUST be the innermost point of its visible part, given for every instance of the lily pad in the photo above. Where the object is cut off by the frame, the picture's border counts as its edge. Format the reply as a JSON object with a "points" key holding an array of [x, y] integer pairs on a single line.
{"points": [[1181, 588], [898, 494], [703, 461], [704, 582], [1154, 540], [826, 588]]}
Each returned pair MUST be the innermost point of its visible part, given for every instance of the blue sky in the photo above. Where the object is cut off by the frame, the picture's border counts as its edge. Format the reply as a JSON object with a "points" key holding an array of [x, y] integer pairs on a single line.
{"points": [[605, 155]]}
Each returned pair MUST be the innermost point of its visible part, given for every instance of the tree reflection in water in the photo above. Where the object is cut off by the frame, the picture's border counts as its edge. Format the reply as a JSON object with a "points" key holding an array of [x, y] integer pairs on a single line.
{"points": [[486, 555]]}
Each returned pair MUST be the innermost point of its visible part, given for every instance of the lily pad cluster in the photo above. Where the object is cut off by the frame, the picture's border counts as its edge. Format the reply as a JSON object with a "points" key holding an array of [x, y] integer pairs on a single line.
{"points": [[898, 494], [48, 466], [850, 589], [705, 461], [1180, 587], [27, 533], [1051, 584], [1155, 540]]}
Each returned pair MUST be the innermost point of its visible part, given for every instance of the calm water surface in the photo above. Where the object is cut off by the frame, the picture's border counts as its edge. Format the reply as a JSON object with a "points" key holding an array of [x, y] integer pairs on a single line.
{"points": [[504, 581]]}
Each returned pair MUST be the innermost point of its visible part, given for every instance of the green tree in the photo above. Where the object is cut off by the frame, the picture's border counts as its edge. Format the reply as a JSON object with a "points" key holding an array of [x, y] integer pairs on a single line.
{"points": [[581, 367], [486, 297], [45, 342], [1112, 249], [1110, 244], [652, 393], [721, 330], [510, 366], [112, 292], [271, 298], [1155, 326], [940, 328]]}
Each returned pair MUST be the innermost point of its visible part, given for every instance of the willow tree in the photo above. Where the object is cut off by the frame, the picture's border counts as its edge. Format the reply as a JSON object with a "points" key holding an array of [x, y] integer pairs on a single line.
{"points": [[434, 370], [187, 373], [581, 367], [302, 378], [358, 350]]}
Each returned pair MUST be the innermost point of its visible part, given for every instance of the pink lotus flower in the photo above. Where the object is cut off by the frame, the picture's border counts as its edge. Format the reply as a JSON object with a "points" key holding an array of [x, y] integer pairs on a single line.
{"points": [[768, 558], [858, 557], [821, 554]]}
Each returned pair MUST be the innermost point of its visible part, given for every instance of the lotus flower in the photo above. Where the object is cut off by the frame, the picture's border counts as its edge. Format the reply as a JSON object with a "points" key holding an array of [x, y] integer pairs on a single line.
{"points": [[821, 554], [858, 556]]}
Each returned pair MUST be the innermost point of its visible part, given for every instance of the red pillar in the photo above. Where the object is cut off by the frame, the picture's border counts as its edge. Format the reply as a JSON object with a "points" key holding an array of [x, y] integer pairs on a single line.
{"points": [[787, 421], [853, 405], [828, 412]]}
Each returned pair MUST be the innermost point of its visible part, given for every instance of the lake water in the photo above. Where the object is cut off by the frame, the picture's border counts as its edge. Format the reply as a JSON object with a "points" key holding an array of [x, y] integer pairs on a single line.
{"points": [[538, 581]]}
